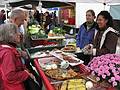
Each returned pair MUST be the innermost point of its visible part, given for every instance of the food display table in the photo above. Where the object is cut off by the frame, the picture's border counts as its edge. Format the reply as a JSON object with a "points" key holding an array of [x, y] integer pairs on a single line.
{"points": [[49, 86], [46, 81], [56, 77]]}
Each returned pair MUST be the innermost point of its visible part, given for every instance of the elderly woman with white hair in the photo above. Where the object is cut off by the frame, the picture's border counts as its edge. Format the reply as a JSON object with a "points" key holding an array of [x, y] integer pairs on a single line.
{"points": [[13, 71]]}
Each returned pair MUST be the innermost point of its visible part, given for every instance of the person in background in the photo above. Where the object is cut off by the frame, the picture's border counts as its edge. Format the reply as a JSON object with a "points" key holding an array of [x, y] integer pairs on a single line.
{"points": [[41, 19], [54, 18], [87, 30], [32, 20], [13, 71], [48, 21], [2, 16], [27, 39], [37, 16], [106, 38]]}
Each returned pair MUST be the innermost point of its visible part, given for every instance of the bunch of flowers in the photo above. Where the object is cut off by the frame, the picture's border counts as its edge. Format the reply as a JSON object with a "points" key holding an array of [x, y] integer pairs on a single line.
{"points": [[106, 67]]}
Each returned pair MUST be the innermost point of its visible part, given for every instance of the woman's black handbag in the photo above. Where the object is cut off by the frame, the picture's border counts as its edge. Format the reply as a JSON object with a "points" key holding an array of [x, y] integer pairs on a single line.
{"points": [[30, 84]]}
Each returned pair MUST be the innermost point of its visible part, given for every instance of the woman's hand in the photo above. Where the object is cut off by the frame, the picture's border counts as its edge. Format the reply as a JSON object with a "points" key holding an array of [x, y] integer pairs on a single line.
{"points": [[88, 49], [24, 54]]}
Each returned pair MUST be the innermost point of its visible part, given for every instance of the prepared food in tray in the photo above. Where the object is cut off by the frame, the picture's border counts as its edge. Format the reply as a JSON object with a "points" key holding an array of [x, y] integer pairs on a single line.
{"points": [[73, 61], [71, 84], [60, 74], [70, 59], [48, 63], [69, 48], [52, 68], [40, 54]]}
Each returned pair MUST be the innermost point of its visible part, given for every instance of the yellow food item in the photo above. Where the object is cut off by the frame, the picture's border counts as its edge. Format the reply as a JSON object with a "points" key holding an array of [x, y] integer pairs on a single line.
{"points": [[64, 86], [72, 44], [73, 84]]}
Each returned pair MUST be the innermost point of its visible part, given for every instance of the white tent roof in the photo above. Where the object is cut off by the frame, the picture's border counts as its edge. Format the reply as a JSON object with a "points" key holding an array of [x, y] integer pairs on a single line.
{"points": [[7, 1], [80, 1], [88, 1], [2, 4], [98, 1], [115, 11]]}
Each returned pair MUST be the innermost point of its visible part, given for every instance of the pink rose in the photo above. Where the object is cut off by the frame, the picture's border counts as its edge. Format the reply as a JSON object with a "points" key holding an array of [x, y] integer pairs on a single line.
{"points": [[113, 70], [103, 76], [108, 73], [114, 84], [117, 77], [97, 78], [109, 81], [106, 66], [116, 73], [119, 69], [111, 65], [112, 79]]}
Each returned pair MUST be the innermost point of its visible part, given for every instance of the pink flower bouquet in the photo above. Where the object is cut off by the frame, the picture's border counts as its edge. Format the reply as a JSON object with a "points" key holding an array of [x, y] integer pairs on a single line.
{"points": [[106, 67]]}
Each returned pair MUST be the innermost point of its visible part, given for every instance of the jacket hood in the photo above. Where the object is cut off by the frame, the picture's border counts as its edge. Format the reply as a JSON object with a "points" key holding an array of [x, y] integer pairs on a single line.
{"points": [[3, 50]]}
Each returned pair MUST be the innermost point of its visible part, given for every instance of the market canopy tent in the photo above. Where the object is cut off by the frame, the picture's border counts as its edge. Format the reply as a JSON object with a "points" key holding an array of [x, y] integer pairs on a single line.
{"points": [[50, 4], [98, 1], [104, 2], [115, 11], [24, 2], [54, 3], [45, 3], [87, 1], [96, 5]]}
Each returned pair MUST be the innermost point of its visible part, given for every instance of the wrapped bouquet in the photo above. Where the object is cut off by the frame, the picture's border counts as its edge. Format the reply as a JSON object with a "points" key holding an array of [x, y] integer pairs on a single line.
{"points": [[106, 67]]}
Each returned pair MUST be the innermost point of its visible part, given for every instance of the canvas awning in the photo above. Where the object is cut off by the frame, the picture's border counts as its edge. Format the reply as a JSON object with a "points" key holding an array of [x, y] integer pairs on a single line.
{"points": [[45, 4], [54, 3], [98, 1], [50, 4], [24, 2]]}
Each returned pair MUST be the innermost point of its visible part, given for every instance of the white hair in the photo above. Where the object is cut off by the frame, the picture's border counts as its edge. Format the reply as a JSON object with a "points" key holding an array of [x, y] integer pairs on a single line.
{"points": [[16, 13], [7, 33]]}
